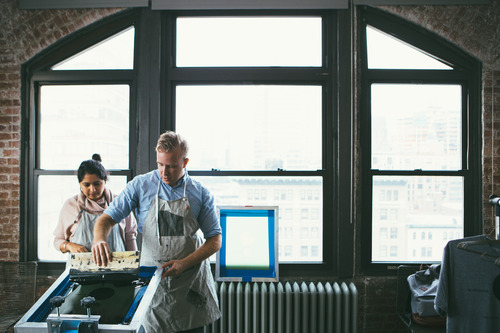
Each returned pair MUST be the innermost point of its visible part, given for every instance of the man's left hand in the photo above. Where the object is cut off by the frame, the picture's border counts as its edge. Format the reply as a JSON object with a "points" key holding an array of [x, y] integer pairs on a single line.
{"points": [[173, 268]]}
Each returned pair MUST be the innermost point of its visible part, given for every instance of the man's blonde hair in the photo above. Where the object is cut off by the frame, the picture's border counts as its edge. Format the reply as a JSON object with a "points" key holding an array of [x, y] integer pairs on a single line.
{"points": [[169, 141]]}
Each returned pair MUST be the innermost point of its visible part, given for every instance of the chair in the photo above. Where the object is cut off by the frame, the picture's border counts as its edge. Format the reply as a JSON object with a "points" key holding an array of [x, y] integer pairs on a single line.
{"points": [[403, 307], [17, 291]]}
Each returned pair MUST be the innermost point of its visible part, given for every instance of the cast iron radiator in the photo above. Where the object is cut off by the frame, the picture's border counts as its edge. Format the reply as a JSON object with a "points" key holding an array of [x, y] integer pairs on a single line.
{"points": [[259, 307]]}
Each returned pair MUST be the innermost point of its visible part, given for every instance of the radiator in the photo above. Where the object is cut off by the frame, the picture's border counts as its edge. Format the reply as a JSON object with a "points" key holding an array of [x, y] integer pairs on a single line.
{"points": [[259, 307]]}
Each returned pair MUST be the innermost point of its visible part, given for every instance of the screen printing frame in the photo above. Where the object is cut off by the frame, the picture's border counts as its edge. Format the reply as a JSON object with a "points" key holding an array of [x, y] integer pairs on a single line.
{"points": [[271, 274], [27, 325]]}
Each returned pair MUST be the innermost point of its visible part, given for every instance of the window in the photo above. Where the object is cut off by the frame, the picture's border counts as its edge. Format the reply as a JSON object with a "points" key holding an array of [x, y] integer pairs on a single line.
{"points": [[240, 41], [382, 251], [115, 52], [73, 119], [383, 233], [75, 122], [393, 251], [315, 234], [304, 251], [314, 251], [394, 233], [420, 112], [243, 128]]}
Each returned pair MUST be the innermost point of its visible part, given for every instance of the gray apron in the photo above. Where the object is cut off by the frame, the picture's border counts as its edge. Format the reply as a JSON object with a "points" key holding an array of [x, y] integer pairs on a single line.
{"points": [[84, 233], [188, 300]]}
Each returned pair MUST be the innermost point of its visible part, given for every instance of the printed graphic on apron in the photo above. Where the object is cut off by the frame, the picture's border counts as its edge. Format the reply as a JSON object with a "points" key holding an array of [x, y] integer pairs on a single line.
{"points": [[170, 224]]}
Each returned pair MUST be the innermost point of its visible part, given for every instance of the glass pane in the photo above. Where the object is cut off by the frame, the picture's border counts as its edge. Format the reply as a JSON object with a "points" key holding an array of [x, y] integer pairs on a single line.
{"points": [[251, 127], [414, 217], [245, 250], [249, 41], [78, 121], [300, 202], [53, 191], [385, 51], [116, 52], [416, 127]]}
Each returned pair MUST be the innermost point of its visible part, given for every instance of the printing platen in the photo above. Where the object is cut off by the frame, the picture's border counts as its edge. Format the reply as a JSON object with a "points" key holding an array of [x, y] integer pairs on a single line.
{"points": [[130, 300]]}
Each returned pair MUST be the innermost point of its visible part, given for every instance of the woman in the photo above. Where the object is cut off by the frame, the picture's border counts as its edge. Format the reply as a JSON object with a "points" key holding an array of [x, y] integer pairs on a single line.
{"points": [[74, 232]]}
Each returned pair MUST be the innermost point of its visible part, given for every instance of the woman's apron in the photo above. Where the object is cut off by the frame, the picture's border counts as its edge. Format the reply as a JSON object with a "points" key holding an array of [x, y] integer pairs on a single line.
{"points": [[84, 233], [188, 300]]}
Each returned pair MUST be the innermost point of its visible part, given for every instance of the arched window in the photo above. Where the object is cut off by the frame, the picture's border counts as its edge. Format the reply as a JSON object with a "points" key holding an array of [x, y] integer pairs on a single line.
{"points": [[420, 136], [81, 102]]}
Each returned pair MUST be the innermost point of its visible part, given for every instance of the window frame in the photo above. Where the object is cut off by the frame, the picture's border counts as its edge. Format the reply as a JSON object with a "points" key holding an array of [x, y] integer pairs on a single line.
{"points": [[152, 106], [465, 72], [326, 75], [36, 73]]}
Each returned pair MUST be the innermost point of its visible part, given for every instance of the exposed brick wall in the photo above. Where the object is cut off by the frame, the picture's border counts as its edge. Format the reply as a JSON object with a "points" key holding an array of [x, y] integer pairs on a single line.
{"points": [[23, 34], [377, 305], [474, 29], [491, 143], [9, 147]]}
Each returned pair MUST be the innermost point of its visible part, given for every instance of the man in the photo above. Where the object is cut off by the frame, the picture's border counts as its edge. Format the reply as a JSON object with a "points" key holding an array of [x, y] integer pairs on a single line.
{"points": [[170, 208]]}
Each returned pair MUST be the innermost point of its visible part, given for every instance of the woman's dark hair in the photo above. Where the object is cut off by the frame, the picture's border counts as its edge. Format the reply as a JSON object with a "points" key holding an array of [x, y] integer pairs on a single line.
{"points": [[92, 167]]}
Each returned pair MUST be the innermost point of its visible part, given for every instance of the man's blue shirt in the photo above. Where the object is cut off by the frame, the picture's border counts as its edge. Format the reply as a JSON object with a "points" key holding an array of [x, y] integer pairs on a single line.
{"points": [[140, 192]]}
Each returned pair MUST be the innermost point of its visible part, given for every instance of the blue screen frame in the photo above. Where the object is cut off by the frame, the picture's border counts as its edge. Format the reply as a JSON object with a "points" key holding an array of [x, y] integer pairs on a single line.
{"points": [[223, 272]]}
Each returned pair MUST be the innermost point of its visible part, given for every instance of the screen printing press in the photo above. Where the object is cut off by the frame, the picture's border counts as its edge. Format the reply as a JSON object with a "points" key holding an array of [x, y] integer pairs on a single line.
{"points": [[89, 298]]}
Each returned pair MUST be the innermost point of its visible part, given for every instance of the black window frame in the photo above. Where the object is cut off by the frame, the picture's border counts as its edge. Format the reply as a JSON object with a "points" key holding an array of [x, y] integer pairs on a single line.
{"points": [[37, 73], [466, 72], [152, 111], [324, 75]]}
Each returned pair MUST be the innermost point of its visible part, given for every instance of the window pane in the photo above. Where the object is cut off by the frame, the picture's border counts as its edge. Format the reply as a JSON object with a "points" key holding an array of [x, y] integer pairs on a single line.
{"points": [[416, 127], [251, 127], [77, 121], [116, 52], [248, 41], [427, 213], [53, 191], [387, 52], [300, 227]]}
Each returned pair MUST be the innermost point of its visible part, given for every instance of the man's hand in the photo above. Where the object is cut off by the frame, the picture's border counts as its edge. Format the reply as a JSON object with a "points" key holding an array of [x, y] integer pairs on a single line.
{"points": [[76, 248], [101, 253], [173, 268], [176, 267], [100, 249]]}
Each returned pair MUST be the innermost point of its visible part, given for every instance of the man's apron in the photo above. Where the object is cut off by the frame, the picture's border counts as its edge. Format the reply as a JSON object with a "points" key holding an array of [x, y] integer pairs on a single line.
{"points": [[84, 233], [188, 300]]}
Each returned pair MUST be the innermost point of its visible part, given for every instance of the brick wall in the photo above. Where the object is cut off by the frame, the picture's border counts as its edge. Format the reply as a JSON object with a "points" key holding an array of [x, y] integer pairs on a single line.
{"points": [[475, 29], [491, 143]]}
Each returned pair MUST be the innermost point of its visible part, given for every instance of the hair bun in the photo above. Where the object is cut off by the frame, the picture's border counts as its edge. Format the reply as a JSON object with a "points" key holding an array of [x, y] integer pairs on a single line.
{"points": [[97, 157]]}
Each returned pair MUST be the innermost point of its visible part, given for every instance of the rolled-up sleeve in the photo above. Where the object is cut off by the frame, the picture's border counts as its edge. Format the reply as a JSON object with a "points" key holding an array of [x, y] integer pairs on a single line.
{"points": [[68, 214], [123, 204], [207, 218]]}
